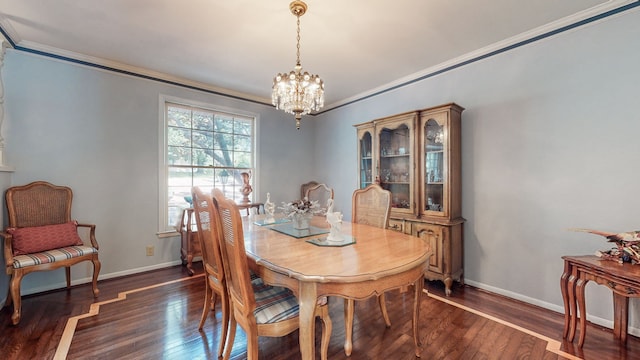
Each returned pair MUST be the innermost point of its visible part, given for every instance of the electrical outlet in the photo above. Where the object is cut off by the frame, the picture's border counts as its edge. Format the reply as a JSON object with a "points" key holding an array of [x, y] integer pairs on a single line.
{"points": [[149, 250]]}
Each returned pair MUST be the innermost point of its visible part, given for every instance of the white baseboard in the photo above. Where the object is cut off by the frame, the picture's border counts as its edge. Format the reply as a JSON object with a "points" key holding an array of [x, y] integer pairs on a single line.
{"points": [[100, 277], [549, 306]]}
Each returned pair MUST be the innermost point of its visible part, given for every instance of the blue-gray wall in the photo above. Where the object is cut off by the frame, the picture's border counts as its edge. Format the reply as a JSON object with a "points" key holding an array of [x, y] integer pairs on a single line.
{"points": [[549, 142]]}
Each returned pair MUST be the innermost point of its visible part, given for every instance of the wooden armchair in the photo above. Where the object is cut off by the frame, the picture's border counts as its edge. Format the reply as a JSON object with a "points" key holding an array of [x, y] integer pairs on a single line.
{"points": [[41, 236], [371, 206], [260, 309]]}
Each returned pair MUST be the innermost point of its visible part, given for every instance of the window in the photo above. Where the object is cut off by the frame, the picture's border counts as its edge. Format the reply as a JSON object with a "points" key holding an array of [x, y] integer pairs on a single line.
{"points": [[206, 148]]}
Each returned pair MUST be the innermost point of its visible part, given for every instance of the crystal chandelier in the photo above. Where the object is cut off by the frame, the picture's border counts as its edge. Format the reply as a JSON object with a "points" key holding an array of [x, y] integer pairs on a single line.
{"points": [[298, 92]]}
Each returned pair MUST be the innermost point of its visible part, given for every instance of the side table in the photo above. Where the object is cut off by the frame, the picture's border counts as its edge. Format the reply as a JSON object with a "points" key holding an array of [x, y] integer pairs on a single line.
{"points": [[190, 244], [622, 279]]}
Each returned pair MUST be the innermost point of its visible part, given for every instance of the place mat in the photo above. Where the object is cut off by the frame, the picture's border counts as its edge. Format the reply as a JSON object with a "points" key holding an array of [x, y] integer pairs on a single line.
{"points": [[264, 222], [346, 240], [288, 229]]}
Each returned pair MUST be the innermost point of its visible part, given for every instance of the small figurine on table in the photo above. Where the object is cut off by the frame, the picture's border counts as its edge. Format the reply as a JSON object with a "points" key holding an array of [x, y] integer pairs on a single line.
{"points": [[269, 209], [335, 220], [246, 188]]}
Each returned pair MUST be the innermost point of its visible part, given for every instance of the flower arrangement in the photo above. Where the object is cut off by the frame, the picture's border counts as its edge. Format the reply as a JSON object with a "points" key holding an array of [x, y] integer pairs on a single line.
{"points": [[303, 206]]}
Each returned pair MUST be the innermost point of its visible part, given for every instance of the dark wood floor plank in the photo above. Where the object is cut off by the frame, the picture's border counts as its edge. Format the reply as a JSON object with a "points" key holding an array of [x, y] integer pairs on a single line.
{"points": [[162, 322]]}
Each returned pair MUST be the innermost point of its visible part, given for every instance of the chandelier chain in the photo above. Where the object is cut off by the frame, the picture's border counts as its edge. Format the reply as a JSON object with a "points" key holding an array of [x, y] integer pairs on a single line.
{"points": [[298, 43]]}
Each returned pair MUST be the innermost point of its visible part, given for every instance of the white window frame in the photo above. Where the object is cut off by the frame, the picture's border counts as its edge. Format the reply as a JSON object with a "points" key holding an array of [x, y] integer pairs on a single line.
{"points": [[165, 229]]}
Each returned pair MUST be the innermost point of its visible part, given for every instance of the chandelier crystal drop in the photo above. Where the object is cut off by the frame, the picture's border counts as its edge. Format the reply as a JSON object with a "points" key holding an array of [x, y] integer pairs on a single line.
{"points": [[298, 92]]}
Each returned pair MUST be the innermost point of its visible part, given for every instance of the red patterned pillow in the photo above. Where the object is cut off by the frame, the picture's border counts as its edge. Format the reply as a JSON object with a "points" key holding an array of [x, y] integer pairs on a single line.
{"points": [[35, 239]]}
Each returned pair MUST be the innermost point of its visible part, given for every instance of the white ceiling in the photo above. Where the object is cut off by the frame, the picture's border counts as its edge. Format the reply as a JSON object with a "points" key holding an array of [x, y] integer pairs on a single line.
{"points": [[358, 47]]}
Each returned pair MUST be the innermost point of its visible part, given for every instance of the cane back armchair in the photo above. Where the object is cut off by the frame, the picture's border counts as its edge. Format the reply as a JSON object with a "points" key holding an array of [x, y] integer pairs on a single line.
{"points": [[41, 236]]}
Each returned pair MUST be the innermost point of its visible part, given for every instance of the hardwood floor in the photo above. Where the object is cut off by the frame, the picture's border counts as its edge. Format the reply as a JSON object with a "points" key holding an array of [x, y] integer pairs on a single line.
{"points": [[152, 321]]}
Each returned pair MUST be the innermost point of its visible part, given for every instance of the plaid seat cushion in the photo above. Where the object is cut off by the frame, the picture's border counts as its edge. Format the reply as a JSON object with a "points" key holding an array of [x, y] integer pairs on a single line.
{"points": [[69, 252], [273, 303]]}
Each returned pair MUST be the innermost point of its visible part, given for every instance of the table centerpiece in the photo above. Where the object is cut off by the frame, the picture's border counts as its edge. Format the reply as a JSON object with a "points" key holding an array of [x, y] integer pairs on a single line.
{"points": [[301, 211]]}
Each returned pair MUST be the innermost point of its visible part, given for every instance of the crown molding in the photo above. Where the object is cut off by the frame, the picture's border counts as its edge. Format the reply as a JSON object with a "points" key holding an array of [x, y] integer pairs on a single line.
{"points": [[114, 66]]}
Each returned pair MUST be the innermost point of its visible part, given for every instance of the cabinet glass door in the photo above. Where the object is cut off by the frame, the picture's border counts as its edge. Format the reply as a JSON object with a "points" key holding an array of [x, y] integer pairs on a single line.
{"points": [[396, 169], [365, 151], [434, 170]]}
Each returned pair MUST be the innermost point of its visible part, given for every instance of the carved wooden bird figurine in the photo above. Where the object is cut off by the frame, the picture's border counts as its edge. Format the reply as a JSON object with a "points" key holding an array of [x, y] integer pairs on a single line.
{"points": [[629, 236], [627, 245]]}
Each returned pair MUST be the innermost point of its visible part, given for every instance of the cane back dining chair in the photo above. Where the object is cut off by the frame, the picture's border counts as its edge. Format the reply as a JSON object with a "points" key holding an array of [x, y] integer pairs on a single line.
{"points": [[304, 187], [41, 236], [260, 309], [215, 281], [371, 206], [320, 193]]}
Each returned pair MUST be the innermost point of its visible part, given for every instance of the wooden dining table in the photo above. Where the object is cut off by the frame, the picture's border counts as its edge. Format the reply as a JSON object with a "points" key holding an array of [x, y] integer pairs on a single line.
{"points": [[379, 260]]}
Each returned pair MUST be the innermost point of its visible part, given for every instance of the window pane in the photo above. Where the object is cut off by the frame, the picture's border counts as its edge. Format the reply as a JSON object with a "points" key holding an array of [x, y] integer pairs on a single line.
{"points": [[222, 158], [203, 120], [177, 155], [223, 141], [179, 176], [202, 157], [203, 178], [178, 136], [224, 124], [243, 127], [242, 143], [202, 139], [179, 117], [242, 160]]}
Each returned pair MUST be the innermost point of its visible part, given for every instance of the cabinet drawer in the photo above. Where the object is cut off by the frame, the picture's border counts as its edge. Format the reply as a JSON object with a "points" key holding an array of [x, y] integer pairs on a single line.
{"points": [[400, 226]]}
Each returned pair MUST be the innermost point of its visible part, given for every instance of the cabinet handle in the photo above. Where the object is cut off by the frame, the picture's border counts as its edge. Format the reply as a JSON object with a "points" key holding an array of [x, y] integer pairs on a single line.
{"points": [[428, 231]]}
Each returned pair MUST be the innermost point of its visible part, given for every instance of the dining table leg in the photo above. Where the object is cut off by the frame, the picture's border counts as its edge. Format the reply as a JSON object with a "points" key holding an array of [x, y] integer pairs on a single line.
{"points": [[349, 305], [307, 298], [418, 286]]}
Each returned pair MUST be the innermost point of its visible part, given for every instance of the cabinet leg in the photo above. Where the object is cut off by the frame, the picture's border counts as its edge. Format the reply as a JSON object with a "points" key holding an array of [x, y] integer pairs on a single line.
{"points": [[447, 286]]}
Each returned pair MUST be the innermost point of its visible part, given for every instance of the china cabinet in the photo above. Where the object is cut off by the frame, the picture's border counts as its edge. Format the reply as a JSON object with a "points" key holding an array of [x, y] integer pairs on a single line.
{"points": [[416, 156]]}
